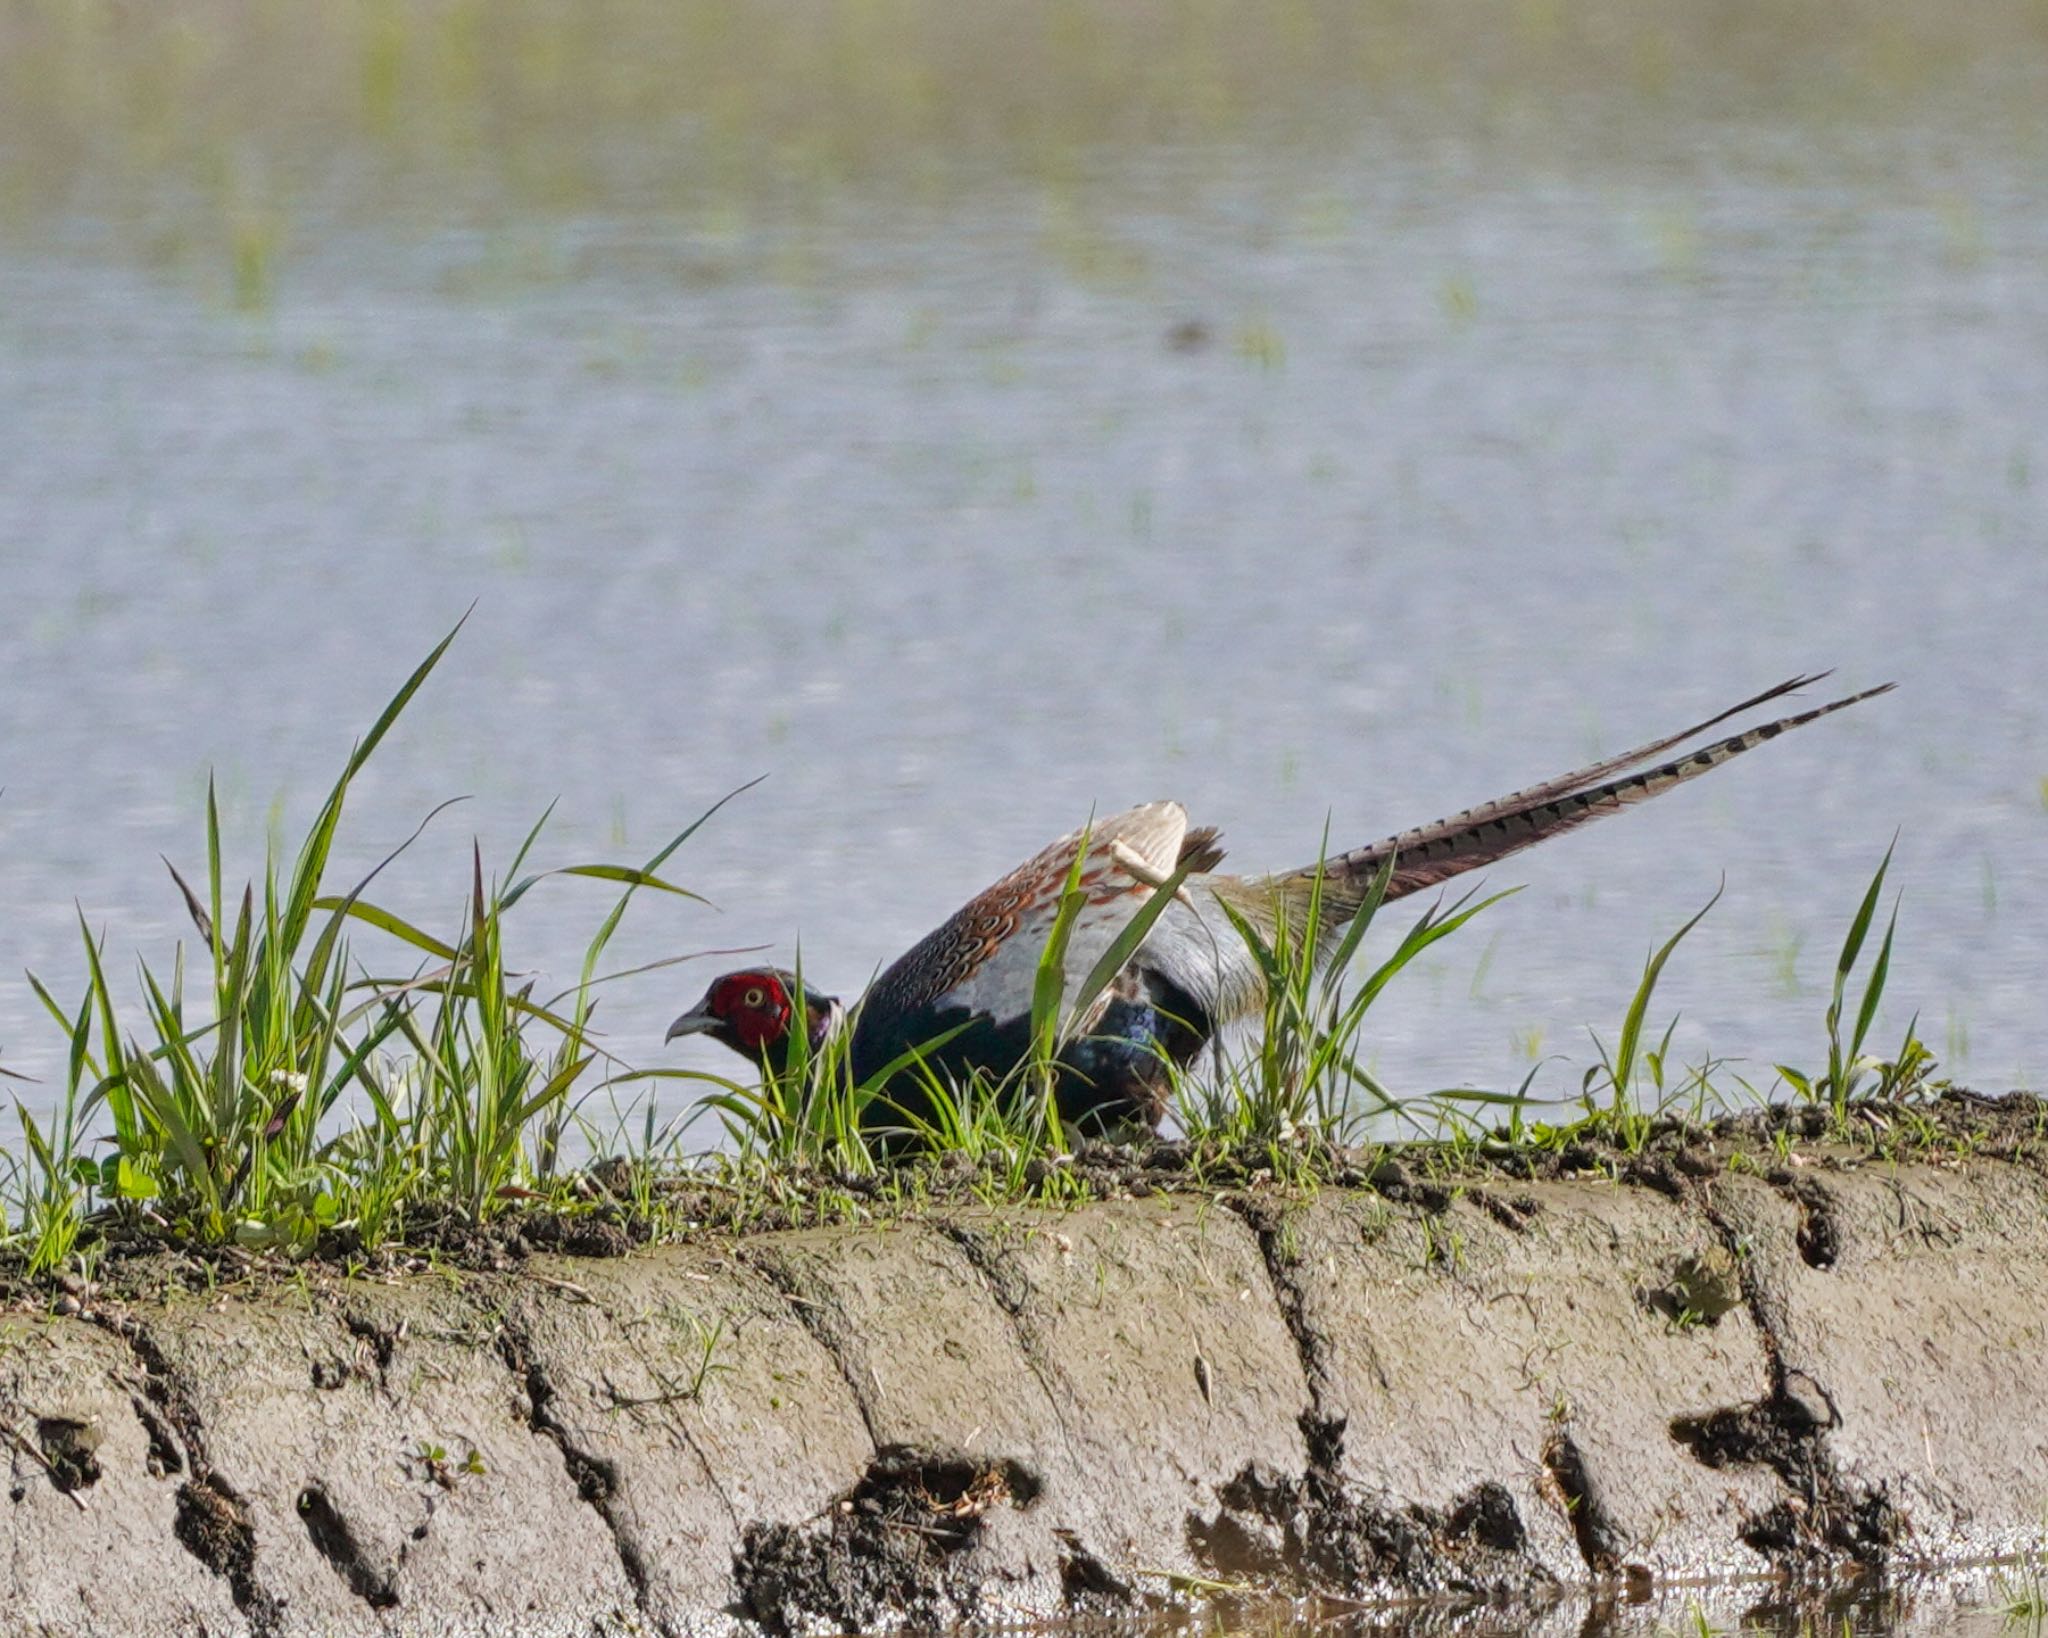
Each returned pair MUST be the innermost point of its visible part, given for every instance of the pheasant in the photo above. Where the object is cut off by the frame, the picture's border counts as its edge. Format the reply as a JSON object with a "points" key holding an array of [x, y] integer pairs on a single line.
{"points": [[964, 993]]}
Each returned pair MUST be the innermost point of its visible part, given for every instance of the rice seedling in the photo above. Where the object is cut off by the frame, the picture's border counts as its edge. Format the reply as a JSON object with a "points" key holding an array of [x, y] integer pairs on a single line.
{"points": [[1621, 1107], [1299, 1072], [1848, 1066]]}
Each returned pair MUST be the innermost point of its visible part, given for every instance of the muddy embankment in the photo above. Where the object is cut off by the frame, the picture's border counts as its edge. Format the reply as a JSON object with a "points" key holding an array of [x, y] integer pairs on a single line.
{"points": [[1505, 1389]]}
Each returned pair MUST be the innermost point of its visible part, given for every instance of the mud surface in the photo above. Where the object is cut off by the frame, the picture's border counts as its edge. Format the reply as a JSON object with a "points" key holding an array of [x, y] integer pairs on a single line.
{"points": [[1775, 1348]]}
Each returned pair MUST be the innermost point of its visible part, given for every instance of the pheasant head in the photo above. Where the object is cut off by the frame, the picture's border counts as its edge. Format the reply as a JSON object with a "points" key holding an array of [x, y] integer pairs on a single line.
{"points": [[753, 1011]]}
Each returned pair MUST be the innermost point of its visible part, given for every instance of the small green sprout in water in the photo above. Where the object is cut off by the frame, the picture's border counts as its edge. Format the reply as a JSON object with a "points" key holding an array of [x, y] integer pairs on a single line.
{"points": [[1459, 298], [1260, 344], [255, 239], [1782, 952]]}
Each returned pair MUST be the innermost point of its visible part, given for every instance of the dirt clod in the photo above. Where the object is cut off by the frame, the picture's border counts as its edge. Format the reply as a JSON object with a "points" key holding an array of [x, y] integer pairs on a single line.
{"points": [[898, 1549], [70, 1451], [1824, 1515], [1314, 1534], [1820, 1236]]}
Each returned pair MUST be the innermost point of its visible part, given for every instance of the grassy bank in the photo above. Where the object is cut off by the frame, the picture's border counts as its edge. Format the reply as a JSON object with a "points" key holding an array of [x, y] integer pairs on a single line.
{"points": [[313, 1074]]}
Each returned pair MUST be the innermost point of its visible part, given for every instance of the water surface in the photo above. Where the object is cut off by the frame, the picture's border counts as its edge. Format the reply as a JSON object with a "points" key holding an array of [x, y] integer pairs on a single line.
{"points": [[971, 417]]}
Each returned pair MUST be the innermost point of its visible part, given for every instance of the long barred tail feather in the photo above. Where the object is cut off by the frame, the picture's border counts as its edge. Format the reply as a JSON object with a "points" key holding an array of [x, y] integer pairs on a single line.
{"points": [[1481, 836], [1593, 773]]}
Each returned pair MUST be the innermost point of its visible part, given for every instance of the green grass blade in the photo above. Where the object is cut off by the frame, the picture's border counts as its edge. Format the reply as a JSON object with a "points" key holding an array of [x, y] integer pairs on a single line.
{"points": [[601, 872], [1859, 928], [397, 926], [1362, 917], [1623, 1068], [1431, 928], [1129, 937], [1049, 982], [193, 908], [1873, 991], [525, 847], [213, 872], [557, 1084], [312, 860], [114, 1083], [315, 966]]}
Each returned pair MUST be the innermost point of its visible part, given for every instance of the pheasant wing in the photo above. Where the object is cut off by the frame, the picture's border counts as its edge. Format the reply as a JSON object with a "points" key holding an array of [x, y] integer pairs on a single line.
{"points": [[983, 962]]}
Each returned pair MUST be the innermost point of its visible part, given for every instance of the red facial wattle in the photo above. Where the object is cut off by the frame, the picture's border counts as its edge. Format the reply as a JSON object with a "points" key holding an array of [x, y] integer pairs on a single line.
{"points": [[756, 1007]]}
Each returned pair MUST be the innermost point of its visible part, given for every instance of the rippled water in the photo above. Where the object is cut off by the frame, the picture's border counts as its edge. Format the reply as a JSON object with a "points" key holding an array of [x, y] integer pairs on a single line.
{"points": [[967, 418]]}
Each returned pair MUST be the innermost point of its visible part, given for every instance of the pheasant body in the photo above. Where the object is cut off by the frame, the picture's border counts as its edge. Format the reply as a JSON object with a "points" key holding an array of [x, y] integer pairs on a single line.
{"points": [[964, 992], [969, 983]]}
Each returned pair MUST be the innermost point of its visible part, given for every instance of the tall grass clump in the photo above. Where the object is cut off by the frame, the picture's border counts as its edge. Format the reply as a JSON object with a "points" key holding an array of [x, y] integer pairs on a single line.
{"points": [[216, 1117], [224, 1105], [1300, 1072]]}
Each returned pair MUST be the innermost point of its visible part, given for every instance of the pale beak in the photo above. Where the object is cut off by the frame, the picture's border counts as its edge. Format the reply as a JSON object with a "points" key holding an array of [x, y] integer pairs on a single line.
{"points": [[694, 1022]]}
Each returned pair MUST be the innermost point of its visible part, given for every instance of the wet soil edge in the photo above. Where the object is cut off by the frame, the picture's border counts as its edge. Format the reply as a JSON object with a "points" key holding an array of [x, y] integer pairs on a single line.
{"points": [[927, 1533]]}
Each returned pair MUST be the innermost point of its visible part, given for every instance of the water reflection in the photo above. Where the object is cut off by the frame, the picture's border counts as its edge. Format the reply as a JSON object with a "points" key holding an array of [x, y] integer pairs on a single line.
{"points": [[2004, 1602]]}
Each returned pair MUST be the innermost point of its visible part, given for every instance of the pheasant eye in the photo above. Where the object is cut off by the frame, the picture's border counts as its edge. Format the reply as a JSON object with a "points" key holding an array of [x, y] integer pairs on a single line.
{"points": [[753, 997]]}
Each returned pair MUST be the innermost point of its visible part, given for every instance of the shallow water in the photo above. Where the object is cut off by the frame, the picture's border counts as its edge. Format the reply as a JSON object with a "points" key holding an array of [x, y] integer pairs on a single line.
{"points": [[968, 418]]}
